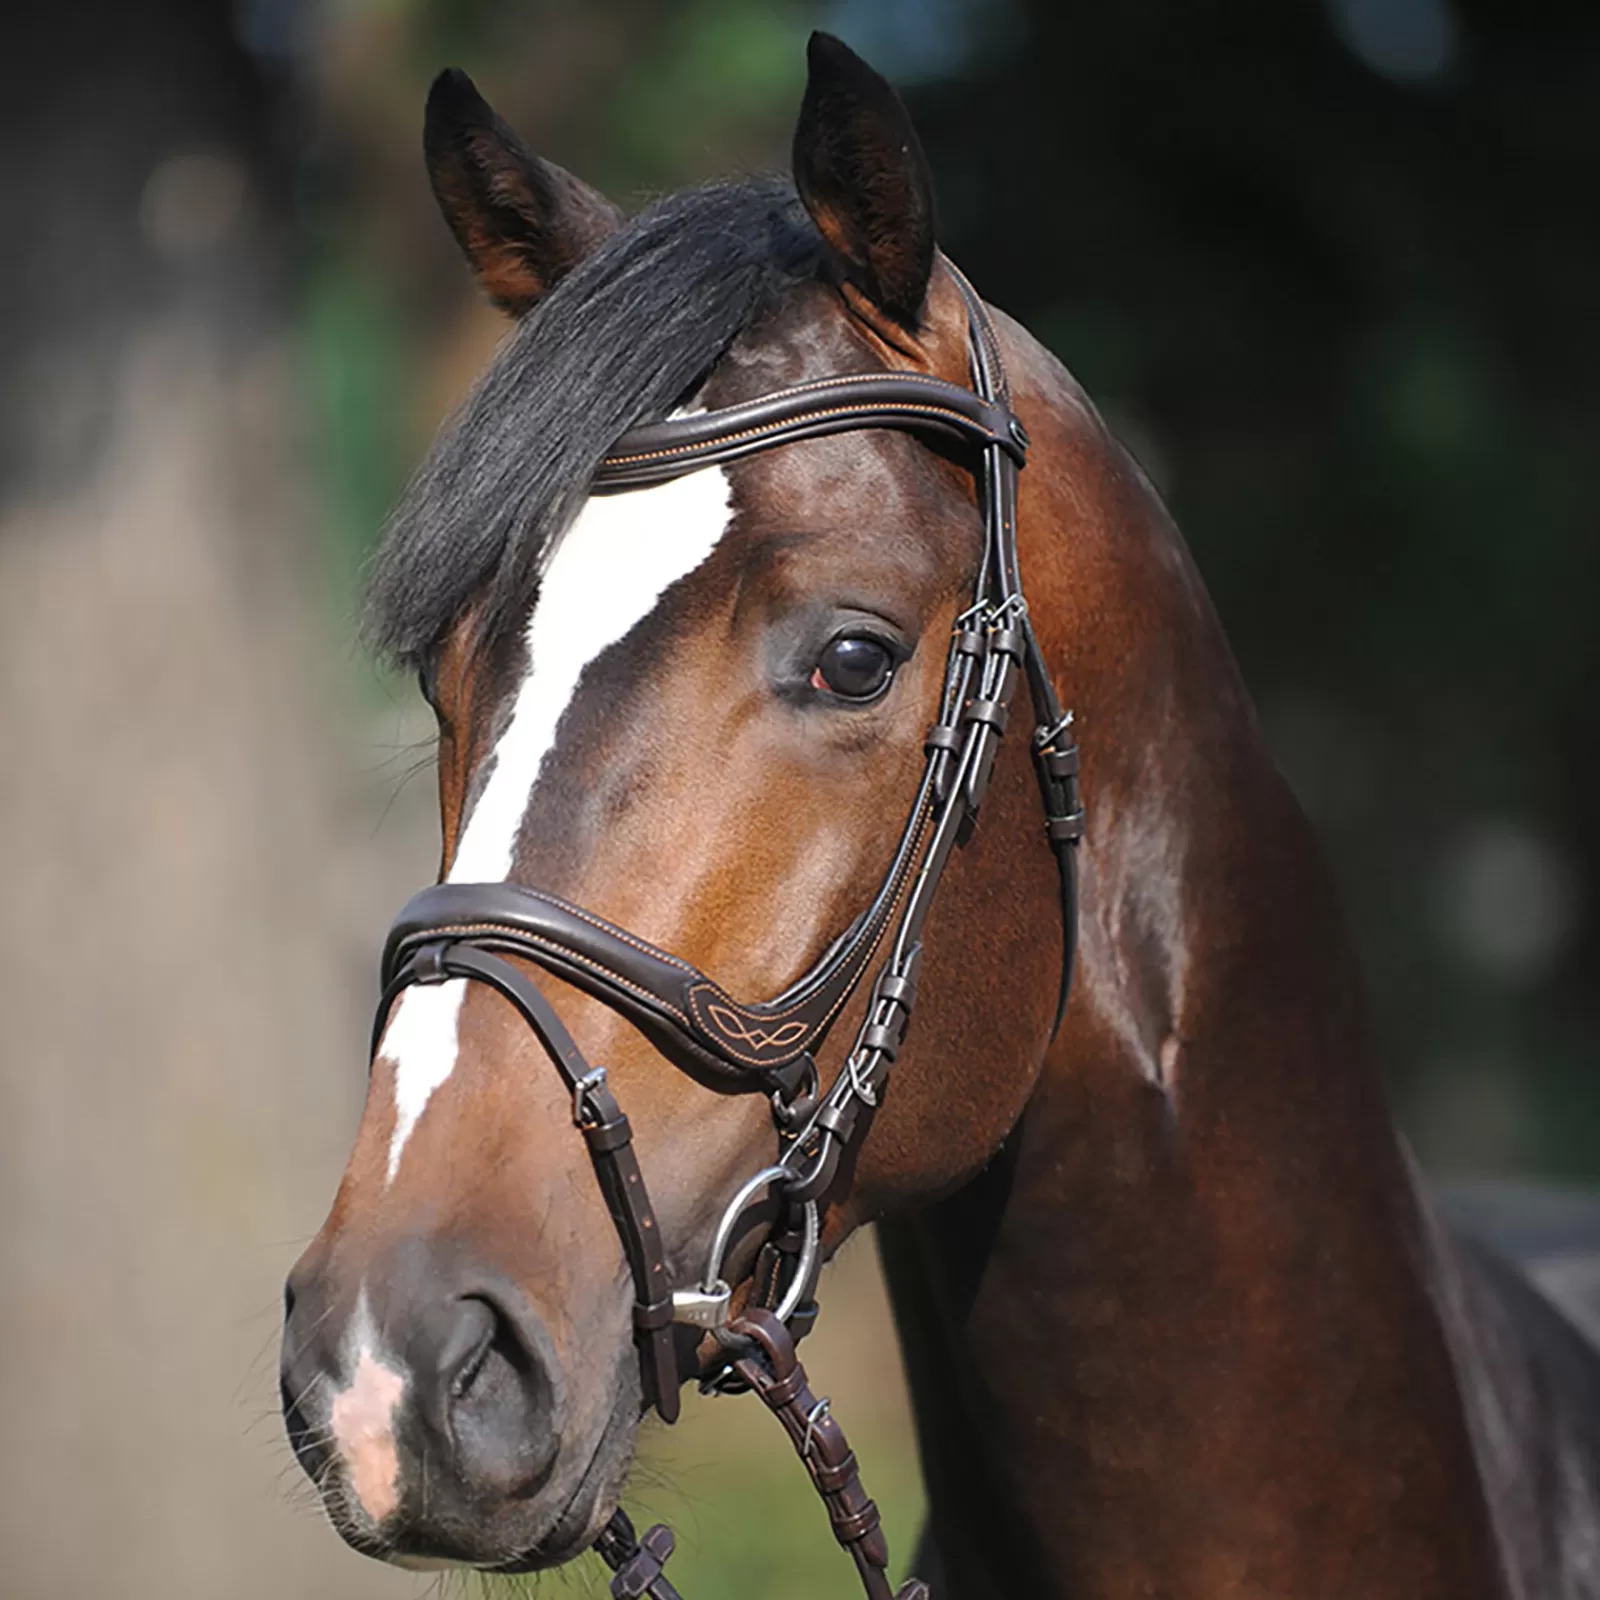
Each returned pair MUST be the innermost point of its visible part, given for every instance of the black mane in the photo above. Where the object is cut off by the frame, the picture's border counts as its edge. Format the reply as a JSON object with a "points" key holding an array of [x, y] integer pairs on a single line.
{"points": [[627, 336]]}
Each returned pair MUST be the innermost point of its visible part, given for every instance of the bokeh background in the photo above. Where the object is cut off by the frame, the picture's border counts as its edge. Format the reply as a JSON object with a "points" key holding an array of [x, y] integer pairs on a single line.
{"points": [[1332, 269]]}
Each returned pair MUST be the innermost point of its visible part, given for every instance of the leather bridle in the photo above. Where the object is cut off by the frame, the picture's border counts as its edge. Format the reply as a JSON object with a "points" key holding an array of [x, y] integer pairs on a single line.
{"points": [[471, 930]]}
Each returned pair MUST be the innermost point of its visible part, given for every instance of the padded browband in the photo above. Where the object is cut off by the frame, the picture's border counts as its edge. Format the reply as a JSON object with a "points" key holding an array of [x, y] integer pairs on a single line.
{"points": [[910, 401]]}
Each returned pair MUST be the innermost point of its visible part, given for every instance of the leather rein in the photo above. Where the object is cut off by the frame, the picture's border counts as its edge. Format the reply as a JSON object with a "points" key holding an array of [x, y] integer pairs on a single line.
{"points": [[472, 931]]}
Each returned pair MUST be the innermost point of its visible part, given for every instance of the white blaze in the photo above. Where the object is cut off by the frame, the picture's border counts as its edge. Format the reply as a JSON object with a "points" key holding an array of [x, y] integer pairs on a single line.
{"points": [[621, 554]]}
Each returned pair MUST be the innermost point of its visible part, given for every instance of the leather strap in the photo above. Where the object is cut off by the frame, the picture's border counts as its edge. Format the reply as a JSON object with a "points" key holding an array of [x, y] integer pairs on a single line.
{"points": [[605, 1129], [637, 1562], [659, 451], [773, 1370], [733, 1039]]}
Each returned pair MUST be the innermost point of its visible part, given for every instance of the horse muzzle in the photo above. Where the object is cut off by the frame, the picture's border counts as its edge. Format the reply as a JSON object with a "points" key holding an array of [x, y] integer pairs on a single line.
{"points": [[434, 1421]]}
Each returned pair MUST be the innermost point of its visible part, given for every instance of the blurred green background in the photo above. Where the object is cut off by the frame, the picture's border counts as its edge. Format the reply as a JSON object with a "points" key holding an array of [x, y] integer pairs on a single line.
{"points": [[1329, 266]]}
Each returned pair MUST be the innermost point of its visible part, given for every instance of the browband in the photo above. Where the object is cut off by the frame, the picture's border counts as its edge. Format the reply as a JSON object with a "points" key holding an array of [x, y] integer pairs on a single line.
{"points": [[659, 451]]}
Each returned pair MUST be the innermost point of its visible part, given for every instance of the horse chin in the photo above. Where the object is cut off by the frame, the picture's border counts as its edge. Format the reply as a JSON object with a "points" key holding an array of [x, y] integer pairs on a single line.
{"points": [[597, 1496]]}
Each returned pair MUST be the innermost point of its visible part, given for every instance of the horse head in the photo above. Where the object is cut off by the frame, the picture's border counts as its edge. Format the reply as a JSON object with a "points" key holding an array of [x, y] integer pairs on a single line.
{"points": [[686, 719]]}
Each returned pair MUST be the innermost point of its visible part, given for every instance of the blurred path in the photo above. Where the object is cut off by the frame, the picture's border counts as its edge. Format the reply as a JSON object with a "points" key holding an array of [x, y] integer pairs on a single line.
{"points": [[180, 1060]]}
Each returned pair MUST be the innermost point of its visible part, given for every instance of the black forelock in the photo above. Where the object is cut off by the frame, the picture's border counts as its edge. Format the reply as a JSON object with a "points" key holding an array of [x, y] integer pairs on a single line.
{"points": [[629, 334]]}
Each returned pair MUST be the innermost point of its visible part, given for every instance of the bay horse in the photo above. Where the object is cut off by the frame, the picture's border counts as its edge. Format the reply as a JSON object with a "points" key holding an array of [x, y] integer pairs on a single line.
{"points": [[714, 582]]}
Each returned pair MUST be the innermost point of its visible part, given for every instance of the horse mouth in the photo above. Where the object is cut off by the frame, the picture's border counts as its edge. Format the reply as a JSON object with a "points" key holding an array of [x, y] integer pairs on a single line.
{"points": [[591, 1504], [571, 1530]]}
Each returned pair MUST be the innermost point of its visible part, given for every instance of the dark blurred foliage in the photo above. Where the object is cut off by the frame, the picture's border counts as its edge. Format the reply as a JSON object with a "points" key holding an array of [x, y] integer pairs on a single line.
{"points": [[1329, 267], [1333, 272], [94, 96]]}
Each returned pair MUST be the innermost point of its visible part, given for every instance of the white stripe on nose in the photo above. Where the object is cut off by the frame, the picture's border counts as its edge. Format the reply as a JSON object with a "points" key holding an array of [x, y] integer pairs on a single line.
{"points": [[422, 1039], [605, 577]]}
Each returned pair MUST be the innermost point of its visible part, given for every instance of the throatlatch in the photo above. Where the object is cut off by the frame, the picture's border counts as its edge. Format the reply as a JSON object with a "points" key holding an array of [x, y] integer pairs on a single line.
{"points": [[470, 931]]}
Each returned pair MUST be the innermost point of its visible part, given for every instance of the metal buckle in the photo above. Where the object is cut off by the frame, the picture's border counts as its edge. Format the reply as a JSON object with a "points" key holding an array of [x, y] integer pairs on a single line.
{"points": [[788, 1114], [1011, 610], [590, 1080], [1043, 738], [854, 1065]]}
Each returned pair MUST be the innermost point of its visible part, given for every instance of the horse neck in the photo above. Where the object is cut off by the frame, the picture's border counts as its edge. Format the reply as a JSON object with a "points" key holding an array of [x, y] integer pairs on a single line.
{"points": [[1179, 1337]]}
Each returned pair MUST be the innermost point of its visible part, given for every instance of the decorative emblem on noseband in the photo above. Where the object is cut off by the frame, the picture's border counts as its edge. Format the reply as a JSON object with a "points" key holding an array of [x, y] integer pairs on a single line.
{"points": [[758, 1038], [470, 930]]}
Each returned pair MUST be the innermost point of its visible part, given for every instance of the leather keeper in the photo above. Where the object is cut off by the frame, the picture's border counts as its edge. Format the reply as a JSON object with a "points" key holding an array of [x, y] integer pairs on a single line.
{"points": [[1060, 763], [639, 1574], [428, 963], [1068, 828], [831, 1479], [995, 713], [604, 1137], [942, 738], [849, 1526], [839, 1120], [884, 1038], [899, 990], [1008, 642], [658, 1314], [777, 1394]]}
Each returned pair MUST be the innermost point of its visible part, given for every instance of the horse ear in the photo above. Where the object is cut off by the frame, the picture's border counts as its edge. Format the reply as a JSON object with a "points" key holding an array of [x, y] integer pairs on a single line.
{"points": [[861, 173], [523, 223]]}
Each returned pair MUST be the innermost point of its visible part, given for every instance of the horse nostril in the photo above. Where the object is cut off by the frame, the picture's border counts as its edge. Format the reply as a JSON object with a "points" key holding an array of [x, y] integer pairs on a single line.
{"points": [[499, 1403], [466, 1346]]}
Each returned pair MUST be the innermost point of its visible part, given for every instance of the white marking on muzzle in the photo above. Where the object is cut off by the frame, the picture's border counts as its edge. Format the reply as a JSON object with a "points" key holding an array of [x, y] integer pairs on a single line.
{"points": [[362, 1421], [605, 577], [362, 1417]]}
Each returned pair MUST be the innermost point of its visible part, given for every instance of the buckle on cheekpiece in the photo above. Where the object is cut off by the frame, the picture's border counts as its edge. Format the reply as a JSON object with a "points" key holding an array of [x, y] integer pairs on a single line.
{"points": [[580, 1093]]}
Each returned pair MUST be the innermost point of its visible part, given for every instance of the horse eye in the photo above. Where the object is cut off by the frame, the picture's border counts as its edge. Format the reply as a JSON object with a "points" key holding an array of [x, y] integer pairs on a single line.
{"points": [[854, 667]]}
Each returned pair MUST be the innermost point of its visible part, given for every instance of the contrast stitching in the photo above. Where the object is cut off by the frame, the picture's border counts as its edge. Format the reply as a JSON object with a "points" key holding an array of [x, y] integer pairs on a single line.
{"points": [[914, 380], [883, 926], [693, 1023], [621, 934], [757, 432], [518, 937]]}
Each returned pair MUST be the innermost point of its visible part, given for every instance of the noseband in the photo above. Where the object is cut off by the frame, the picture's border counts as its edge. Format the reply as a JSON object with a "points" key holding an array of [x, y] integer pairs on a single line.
{"points": [[769, 1046]]}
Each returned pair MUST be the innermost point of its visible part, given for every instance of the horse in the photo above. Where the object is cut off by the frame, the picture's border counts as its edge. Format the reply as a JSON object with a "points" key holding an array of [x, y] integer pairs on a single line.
{"points": [[714, 581]]}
